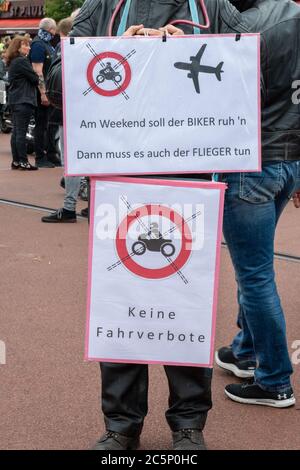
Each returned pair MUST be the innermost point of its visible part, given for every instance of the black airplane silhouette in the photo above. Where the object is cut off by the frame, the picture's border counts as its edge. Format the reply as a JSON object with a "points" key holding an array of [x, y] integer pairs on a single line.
{"points": [[195, 68]]}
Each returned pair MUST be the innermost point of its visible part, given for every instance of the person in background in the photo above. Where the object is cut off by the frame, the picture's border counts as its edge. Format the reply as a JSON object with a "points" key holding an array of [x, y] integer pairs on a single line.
{"points": [[67, 214], [22, 99], [41, 56], [3, 76], [63, 29], [2, 66], [27, 36], [74, 14], [6, 41]]}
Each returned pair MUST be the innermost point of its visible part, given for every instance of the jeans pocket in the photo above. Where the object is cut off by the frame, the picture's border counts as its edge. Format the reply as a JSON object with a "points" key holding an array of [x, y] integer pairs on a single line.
{"points": [[258, 188]]}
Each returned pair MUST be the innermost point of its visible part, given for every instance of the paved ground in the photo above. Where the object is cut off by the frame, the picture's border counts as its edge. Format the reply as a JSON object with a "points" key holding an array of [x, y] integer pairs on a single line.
{"points": [[49, 395]]}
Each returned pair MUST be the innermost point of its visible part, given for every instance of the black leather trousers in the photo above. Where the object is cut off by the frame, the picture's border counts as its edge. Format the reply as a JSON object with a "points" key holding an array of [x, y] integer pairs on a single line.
{"points": [[125, 397]]}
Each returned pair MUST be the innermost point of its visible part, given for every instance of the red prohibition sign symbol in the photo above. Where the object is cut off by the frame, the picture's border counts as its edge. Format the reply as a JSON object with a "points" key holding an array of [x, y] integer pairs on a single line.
{"points": [[95, 86], [157, 273]]}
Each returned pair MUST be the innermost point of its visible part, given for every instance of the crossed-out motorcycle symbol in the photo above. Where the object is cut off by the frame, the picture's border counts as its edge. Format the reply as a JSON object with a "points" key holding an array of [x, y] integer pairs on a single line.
{"points": [[108, 73], [153, 241]]}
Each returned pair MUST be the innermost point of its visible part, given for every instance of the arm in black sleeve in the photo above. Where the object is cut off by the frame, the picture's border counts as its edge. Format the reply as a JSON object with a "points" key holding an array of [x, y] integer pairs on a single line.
{"points": [[231, 20], [243, 5], [227, 19], [263, 69], [2, 70], [85, 24], [27, 70]]}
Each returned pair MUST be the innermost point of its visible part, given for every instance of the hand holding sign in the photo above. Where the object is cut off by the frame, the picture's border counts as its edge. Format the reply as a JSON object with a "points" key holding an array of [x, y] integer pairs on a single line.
{"points": [[171, 30], [133, 30], [139, 30]]}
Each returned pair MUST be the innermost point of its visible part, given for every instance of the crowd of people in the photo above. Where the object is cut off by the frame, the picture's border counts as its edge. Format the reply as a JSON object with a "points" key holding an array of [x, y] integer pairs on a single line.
{"points": [[253, 205], [25, 65], [27, 62]]}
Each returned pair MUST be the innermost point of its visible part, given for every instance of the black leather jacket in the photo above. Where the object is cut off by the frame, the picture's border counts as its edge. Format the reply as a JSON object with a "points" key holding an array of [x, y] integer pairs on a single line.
{"points": [[277, 20], [23, 82], [95, 16], [279, 23]]}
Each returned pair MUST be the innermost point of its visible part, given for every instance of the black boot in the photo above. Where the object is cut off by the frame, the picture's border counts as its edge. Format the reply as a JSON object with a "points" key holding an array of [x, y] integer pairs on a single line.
{"points": [[15, 165], [26, 166]]}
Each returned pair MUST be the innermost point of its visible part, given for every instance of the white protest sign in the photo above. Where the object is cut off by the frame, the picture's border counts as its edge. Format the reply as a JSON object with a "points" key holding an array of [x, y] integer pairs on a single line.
{"points": [[153, 271], [144, 106]]}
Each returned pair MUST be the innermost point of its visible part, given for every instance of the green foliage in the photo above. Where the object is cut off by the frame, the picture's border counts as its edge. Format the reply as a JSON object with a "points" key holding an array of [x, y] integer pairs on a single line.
{"points": [[59, 9]]}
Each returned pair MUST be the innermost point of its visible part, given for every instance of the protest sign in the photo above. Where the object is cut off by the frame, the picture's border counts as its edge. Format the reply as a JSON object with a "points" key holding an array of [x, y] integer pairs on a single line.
{"points": [[153, 271], [145, 106]]}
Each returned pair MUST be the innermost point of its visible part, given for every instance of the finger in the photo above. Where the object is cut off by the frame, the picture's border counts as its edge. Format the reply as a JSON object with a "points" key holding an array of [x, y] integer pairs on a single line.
{"points": [[296, 200], [132, 31], [164, 31], [154, 32], [149, 32], [173, 30]]}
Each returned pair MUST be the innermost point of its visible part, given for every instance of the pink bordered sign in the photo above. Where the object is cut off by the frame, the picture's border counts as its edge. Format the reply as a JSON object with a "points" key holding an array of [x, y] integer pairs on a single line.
{"points": [[141, 106], [154, 254]]}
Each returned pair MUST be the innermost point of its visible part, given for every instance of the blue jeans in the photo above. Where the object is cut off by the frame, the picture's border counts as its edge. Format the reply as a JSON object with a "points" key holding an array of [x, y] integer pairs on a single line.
{"points": [[72, 183], [253, 205]]}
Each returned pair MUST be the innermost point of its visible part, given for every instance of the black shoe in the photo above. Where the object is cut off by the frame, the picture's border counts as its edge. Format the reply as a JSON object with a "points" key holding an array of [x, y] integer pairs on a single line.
{"points": [[60, 216], [26, 166], [84, 212], [115, 441], [250, 393], [43, 163], [62, 183], [240, 368], [15, 165], [188, 439]]}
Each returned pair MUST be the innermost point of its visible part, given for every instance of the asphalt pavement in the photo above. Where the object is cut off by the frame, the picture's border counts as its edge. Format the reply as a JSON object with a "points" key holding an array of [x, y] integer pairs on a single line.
{"points": [[50, 397]]}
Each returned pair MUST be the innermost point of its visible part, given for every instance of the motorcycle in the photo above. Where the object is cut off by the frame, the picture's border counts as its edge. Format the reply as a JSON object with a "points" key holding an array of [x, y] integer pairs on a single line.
{"points": [[162, 245]]}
